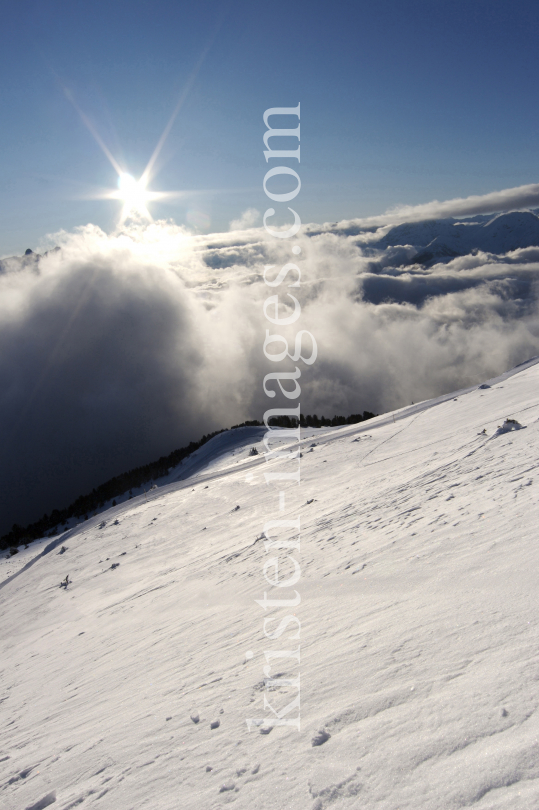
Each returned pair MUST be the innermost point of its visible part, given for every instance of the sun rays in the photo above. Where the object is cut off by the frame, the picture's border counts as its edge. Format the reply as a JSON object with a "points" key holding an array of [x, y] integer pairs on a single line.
{"points": [[134, 194]]}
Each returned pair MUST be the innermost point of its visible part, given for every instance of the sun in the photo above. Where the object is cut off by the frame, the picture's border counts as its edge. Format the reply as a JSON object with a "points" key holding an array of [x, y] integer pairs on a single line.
{"points": [[134, 196]]}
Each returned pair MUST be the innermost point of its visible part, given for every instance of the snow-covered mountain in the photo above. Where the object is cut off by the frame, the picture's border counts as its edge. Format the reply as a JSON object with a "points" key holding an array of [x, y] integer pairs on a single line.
{"points": [[439, 240], [132, 687]]}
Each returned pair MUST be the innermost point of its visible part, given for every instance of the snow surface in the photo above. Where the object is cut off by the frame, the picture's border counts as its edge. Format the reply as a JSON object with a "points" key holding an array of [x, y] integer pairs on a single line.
{"points": [[419, 639]]}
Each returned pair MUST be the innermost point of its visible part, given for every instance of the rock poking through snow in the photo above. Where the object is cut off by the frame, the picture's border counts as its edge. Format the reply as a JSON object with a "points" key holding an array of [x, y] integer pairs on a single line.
{"points": [[320, 737]]}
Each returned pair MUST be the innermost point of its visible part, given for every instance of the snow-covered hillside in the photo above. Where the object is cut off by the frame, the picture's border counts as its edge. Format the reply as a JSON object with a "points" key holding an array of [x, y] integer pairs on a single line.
{"points": [[419, 628]]}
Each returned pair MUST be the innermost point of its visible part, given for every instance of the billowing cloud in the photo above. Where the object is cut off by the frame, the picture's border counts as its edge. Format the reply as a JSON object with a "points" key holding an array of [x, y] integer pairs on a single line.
{"points": [[117, 349], [248, 219]]}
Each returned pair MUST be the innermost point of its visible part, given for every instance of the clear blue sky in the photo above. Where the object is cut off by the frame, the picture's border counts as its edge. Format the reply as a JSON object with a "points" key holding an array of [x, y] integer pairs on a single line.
{"points": [[402, 102]]}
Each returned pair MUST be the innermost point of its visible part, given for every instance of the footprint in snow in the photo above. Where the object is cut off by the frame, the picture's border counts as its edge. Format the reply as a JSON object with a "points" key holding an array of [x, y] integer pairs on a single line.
{"points": [[22, 775], [50, 798]]}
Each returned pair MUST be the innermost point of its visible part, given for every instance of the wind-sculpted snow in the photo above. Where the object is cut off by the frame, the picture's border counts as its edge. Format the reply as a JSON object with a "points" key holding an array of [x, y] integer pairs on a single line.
{"points": [[131, 686], [116, 349]]}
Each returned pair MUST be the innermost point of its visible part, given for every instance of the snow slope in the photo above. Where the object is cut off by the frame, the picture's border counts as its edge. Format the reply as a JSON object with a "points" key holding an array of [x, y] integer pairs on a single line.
{"points": [[418, 615]]}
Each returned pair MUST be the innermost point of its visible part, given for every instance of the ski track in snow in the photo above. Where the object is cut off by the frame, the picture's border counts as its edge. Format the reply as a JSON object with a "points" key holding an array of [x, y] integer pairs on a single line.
{"points": [[419, 628]]}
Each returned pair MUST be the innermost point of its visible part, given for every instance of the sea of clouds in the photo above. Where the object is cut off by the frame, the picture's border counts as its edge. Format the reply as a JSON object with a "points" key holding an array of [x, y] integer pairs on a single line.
{"points": [[118, 348]]}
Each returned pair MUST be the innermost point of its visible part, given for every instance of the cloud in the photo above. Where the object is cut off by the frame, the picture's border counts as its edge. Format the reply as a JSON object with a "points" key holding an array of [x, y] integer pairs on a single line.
{"points": [[505, 200], [248, 219], [119, 348]]}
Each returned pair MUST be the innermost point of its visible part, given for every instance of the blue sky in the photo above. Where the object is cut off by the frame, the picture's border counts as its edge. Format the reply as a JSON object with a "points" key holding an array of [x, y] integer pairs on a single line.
{"points": [[402, 102]]}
